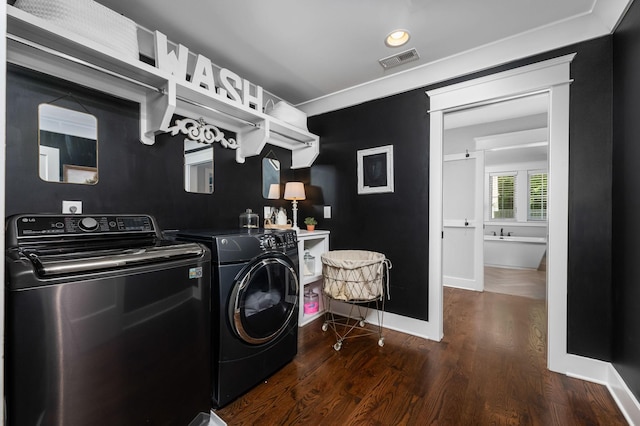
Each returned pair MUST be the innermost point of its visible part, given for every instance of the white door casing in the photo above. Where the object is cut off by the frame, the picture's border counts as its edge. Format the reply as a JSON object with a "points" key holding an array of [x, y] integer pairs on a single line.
{"points": [[553, 77]]}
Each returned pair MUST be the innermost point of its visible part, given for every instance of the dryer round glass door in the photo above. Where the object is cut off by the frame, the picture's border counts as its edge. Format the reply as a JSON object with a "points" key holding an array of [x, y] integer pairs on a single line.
{"points": [[264, 300]]}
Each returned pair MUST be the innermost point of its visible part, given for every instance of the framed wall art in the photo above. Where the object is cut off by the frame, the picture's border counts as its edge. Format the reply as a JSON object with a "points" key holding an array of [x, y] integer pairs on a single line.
{"points": [[79, 174], [375, 170]]}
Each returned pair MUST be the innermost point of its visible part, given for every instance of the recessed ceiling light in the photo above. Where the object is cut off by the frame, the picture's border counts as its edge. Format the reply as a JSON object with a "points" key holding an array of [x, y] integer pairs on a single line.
{"points": [[397, 38]]}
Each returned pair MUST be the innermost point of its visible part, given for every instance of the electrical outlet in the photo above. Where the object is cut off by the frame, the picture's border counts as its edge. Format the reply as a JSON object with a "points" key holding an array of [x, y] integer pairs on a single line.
{"points": [[73, 207], [327, 212]]}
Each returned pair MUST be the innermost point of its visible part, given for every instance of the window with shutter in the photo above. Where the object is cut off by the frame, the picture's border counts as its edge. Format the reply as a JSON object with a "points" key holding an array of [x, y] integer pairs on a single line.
{"points": [[502, 189], [537, 196]]}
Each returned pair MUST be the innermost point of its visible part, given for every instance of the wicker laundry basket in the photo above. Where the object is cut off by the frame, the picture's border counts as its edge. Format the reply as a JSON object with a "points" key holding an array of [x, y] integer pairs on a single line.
{"points": [[357, 277], [353, 274]]}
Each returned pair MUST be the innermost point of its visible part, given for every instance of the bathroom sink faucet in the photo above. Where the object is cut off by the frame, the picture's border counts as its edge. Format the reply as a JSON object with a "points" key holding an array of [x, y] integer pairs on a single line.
{"points": [[502, 232]]}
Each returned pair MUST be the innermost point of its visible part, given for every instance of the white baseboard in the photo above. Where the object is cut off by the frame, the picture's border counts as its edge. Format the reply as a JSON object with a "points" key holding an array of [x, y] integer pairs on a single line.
{"points": [[392, 321], [623, 396], [604, 373], [461, 283], [583, 368]]}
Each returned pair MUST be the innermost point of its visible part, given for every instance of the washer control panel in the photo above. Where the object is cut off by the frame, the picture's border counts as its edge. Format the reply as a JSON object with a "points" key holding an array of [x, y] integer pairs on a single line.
{"points": [[76, 225]]}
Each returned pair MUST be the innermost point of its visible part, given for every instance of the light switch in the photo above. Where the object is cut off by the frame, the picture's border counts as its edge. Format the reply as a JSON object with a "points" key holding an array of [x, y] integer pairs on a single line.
{"points": [[327, 212]]}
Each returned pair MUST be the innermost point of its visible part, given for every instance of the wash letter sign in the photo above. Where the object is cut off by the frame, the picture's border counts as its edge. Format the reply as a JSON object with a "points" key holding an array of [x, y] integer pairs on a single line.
{"points": [[229, 85]]}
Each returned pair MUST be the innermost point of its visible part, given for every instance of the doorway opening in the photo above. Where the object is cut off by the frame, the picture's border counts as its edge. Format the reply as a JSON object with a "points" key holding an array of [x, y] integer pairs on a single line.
{"points": [[552, 78], [495, 176]]}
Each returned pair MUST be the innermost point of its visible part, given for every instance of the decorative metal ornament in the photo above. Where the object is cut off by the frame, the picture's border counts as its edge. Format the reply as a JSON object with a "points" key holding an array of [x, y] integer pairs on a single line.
{"points": [[200, 131]]}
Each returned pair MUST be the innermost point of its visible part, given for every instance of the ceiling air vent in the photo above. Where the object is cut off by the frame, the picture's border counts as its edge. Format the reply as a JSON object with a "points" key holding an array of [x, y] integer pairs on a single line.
{"points": [[399, 59]]}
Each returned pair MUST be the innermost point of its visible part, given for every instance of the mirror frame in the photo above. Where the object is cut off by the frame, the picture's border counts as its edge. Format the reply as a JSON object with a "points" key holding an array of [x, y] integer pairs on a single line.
{"points": [[270, 174], [198, 157], [70, 127]]}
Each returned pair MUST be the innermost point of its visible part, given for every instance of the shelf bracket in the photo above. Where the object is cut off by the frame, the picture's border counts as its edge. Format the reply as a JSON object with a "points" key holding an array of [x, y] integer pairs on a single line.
{"points": [[200, 131], [251, 141], [305, 155], [156, 112]]}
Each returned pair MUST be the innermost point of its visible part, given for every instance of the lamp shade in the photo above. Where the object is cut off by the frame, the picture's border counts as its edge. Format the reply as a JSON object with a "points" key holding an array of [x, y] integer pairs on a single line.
{"points": [[274, 191], [294, 191]]}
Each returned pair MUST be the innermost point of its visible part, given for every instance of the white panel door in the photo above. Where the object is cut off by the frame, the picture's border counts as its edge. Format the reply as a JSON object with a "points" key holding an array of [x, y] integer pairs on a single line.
{"points": [[49, 165], [462, 244]]}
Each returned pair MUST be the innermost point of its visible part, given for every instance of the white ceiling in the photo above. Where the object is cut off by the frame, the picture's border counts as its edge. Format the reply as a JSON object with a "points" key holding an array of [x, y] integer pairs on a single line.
{"points": [[305, 50]]}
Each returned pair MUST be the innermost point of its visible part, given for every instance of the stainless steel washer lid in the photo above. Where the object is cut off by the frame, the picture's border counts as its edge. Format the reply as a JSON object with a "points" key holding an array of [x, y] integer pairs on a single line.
{"points": [[62, 264]]}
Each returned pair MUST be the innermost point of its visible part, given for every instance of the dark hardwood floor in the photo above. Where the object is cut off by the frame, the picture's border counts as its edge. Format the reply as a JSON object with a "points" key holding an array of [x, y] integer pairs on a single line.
{"points": [[489, 369]]}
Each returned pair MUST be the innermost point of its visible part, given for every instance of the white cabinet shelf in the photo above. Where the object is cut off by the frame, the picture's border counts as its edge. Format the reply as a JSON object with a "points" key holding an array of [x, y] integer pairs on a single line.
{"points": [[317, 243], [48, 48]]}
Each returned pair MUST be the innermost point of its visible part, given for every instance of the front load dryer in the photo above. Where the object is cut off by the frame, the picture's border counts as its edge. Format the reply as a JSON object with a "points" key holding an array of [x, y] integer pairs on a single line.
{"points": [[254, 306]]}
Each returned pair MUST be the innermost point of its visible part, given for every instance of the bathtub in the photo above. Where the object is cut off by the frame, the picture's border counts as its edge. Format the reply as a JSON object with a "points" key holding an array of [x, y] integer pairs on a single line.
{"points": [[514, 251]]}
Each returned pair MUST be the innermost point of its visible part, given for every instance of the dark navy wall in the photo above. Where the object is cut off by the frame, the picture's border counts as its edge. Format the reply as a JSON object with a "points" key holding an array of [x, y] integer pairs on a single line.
{"points": [[396, 224], [590, 293], [626, 203], [133, 177]]}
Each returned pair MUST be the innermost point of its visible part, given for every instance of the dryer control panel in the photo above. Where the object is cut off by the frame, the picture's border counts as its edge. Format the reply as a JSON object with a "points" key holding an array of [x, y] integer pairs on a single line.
{"points": [[279, 240]]}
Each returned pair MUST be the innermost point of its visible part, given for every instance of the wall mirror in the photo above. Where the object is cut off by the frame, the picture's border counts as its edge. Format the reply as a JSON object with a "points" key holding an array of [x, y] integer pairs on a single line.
{"points": [[270, 174], [198, 167], [68, 145]]}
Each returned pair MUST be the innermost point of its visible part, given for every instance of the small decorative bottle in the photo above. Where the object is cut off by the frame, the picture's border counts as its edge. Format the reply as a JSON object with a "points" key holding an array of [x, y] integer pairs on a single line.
{"points": [[309, 263], [311, 299], [248, 219]]}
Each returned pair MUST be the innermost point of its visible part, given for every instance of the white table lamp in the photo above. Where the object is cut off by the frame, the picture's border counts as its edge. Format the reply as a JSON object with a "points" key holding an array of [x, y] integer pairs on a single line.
{"points": [[294, 191]]}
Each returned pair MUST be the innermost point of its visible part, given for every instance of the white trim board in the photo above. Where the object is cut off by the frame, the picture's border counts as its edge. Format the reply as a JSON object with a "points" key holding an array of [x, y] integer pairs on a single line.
{"points": [[551, 76], [461, 283], [402, 324], [623, 396]]}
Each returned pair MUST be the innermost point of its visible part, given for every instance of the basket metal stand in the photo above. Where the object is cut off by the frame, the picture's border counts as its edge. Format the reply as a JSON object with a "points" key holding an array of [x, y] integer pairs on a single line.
{"points": [[357, 278], [344, 326]]}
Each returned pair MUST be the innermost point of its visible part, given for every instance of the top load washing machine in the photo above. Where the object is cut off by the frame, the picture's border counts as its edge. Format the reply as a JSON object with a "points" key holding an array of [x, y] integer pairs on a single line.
{"points": [[107, 323], [254, 293]]}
